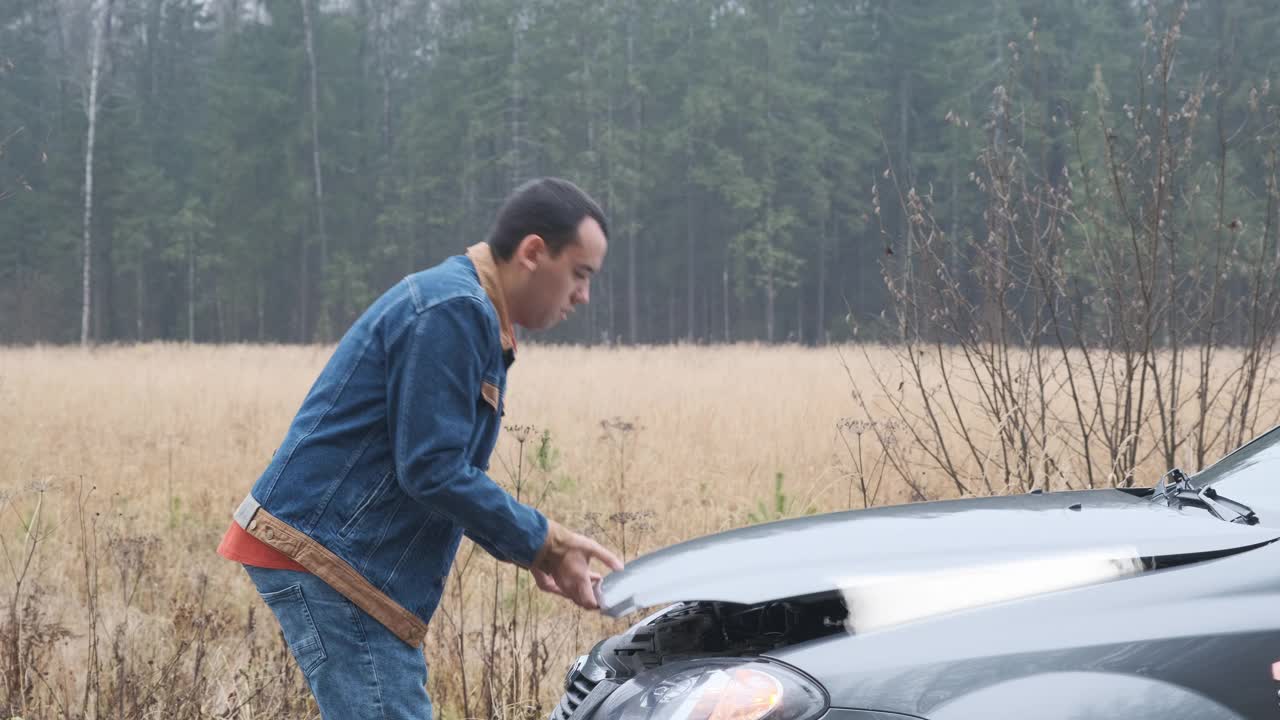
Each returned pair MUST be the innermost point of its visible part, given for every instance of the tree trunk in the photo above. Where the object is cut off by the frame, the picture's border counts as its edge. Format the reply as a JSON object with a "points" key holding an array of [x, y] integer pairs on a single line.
{"points": [[227, 13], [996, 25], [904, 174], [592, 309], [689, 242], [471, 181], [820, 318], [302, 313], [104, 302], [516, 100], [613, 318], [770, 295], [218, 315], [385, 17], [953, 243], [101, 18], [671, 318], [610, 194], [708, 313], [323, 314], [725, 279], [633, 308], [594, 332], [64, 73], [140, 300], [191, 287], [259, 306], [799, 314], [770, 282]]}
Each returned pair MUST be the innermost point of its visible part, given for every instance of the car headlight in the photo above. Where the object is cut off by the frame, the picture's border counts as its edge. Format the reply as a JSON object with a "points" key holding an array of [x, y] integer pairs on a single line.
{"points": [[716, 689]]}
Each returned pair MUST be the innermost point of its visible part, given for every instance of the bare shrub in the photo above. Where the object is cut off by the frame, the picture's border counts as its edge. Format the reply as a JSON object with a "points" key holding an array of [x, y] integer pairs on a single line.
{"points": [[1113, 316]]}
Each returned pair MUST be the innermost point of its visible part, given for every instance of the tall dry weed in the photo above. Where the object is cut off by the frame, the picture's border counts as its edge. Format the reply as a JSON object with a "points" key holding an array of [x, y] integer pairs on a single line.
{"points": [[136, 456]]}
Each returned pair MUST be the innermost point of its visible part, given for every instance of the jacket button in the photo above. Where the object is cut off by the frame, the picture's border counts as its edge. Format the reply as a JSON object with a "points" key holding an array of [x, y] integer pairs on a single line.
{"points": [[253, 525], [271, 534]]}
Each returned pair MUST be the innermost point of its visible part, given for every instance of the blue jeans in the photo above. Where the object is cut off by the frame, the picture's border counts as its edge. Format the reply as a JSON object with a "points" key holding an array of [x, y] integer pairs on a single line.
{"points": [[354, 665]]}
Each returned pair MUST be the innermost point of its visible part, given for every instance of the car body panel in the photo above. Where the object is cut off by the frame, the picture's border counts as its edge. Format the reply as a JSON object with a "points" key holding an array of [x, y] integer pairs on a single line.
{"points": [[837, 551], [1212, 628], [1084, 696], [856, 714], [1175, 613]]}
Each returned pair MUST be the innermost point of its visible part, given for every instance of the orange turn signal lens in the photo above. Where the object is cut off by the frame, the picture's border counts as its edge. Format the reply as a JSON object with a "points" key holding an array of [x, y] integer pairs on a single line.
{"points": [[740, 694], [716, 689], [731, 693]]}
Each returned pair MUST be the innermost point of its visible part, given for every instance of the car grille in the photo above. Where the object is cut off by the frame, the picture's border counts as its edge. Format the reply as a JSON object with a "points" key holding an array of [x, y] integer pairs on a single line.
{"points": [[576, 690]]}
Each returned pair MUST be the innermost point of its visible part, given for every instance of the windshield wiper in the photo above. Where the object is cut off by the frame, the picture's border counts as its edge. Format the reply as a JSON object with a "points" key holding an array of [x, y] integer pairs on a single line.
{"points": [[1176, 489]]}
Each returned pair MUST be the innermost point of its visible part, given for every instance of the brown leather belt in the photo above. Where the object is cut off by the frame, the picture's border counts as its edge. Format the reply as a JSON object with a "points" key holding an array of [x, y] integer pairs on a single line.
{"points": [[320, 561]]}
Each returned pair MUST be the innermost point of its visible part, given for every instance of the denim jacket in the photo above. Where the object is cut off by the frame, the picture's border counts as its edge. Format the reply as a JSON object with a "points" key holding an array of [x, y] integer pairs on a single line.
{"points": [[383, 469]]}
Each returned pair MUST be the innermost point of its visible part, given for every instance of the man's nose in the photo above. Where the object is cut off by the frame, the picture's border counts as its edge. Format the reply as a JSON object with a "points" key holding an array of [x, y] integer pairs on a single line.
{"points": [[583, 294]]}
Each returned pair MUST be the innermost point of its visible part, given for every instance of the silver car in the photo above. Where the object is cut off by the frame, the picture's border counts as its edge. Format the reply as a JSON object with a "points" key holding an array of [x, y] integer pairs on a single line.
{"points": [[1138, 604]]}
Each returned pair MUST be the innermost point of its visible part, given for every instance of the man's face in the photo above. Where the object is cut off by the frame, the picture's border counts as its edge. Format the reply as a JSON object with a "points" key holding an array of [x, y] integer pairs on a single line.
{"points": [[558, 284]]}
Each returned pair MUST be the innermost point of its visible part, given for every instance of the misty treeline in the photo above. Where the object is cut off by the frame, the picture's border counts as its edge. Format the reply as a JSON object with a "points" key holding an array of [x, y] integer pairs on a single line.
{"points": [[231, 170]]}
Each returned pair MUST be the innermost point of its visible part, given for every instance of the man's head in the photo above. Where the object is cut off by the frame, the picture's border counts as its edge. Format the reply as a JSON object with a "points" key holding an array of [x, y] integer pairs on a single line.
{"points": [[549, 238]]}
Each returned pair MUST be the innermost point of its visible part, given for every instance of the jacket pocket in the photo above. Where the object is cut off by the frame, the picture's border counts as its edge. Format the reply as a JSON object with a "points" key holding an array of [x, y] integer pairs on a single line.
{"points": [[300, 632], [368, 502]]}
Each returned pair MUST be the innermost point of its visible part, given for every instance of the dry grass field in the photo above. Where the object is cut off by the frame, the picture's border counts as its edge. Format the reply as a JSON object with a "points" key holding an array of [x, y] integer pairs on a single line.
{"points": [[119, 468]]}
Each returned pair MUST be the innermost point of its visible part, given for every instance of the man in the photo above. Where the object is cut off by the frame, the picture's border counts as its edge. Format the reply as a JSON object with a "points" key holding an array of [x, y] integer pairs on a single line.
{"points": [[350, 531]]}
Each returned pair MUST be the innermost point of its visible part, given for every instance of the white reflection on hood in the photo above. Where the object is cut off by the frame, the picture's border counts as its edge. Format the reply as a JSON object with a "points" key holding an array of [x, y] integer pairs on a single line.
{"points": [[880, 601]]}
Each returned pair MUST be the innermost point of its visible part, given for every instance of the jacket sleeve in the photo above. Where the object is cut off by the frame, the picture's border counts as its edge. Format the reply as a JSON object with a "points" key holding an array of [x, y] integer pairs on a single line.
{"points": [[434, 373]]}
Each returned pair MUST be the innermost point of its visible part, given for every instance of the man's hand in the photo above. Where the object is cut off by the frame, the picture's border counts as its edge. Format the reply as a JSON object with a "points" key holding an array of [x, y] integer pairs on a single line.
{"points": [[563, 565]]}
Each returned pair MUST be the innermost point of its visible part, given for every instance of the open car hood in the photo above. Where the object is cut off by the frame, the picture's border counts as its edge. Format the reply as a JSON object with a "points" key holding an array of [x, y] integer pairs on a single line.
{"points": [[1025, 543]]}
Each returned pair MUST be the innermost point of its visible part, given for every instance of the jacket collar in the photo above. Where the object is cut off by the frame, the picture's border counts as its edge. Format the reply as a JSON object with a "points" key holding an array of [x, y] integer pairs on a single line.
{"points": [[481, 255]]}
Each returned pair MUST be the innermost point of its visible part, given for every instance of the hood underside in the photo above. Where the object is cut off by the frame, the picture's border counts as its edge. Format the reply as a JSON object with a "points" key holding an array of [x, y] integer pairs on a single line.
{"points": [[981, 549]]}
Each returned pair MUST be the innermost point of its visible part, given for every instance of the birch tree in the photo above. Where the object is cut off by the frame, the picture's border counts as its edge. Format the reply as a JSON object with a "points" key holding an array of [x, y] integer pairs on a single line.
{"points": [[317, 175], [101, 13]]}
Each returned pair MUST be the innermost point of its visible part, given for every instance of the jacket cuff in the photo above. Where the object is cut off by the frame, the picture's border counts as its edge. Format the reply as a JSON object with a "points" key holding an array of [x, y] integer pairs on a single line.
{"points": [[532, 541]]}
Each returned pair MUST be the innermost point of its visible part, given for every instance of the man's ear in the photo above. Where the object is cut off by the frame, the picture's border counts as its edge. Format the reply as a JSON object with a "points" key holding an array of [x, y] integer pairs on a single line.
{"points": [[530, 250]]}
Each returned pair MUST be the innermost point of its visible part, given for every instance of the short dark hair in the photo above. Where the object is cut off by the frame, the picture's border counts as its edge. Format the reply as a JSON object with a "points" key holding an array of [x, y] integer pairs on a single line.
{"points": [[550, 207]]}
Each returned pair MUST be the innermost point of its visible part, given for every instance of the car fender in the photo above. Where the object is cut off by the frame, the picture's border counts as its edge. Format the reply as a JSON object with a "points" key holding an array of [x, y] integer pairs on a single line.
{"points": [[853, 714], [1083, 696]]}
